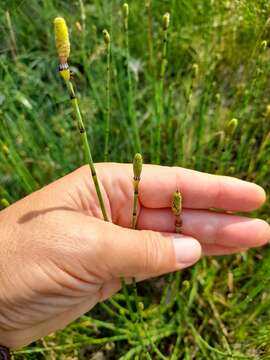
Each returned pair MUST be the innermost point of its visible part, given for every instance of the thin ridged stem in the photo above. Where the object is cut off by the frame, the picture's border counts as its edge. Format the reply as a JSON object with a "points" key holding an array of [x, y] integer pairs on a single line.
{"points": [[108, 101], [137, 170], [148, 6], [86, 146], [128, 301], [139, 308], [131, 109], [160, 94], [152, 69], [177, 210], [135, 205], [13, 46]]}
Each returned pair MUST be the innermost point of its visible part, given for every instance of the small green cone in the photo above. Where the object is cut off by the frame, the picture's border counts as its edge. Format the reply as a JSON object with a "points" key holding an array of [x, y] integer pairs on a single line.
{"points": [[4, 202], [106, 37], [137, 166], [125, 10], [177, 203], [231, 127], [166, 21]]}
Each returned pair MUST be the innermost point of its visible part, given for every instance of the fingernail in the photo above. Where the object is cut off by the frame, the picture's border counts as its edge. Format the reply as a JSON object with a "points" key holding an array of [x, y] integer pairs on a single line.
{"points": [[187, 250]]}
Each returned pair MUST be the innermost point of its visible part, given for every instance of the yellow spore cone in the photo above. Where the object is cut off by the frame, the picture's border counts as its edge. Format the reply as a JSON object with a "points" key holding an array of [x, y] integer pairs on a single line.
{"points": [[61, 39], [137, 166]]}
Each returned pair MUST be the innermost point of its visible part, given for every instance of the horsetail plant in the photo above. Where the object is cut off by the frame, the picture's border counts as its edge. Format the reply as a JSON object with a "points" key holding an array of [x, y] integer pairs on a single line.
{"points": [[107, 43], [137, 170], [63, 50], [230, 129], [160, 85], [225, 146], [148, 7], [131, 109], [177, 210]]}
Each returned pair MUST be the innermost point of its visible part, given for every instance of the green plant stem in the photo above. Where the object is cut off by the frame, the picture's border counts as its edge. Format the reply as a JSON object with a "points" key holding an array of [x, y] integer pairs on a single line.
{"points": [[131, 109], [135, 205], [13, 45], [160, 95], [166, 332], [24, 176], [128, 302], [108, 102], [87, 151], [198, 338], [76, 345], [148, 7], [175, 353], [140, 318]]}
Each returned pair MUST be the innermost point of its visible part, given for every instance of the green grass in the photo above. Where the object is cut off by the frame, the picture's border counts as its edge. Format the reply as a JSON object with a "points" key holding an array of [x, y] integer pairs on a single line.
{"points": [[218, 69]]}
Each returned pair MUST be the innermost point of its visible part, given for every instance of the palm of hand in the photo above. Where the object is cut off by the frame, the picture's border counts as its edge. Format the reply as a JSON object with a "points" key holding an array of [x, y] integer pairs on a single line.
{"points": [[62, 258]]}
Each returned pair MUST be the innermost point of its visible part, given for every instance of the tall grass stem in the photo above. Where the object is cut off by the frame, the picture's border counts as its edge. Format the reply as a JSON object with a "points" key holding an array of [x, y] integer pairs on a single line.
{"points": [[107, 42], [131, 107], [86, 146]]}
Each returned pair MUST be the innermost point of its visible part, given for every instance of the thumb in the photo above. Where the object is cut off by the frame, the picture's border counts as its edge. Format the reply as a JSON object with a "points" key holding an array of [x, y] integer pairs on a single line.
{"points": [[143, 254]]}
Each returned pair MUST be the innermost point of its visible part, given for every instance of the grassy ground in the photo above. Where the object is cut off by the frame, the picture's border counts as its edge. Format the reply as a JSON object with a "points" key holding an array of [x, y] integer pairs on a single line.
{"points": [[218, 68]]}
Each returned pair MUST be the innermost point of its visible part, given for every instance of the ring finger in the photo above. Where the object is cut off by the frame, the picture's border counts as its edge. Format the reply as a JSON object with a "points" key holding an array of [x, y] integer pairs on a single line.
{"points": [[209, 227]]}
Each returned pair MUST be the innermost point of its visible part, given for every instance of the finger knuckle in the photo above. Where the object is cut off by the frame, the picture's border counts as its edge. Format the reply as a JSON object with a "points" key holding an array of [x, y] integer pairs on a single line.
{"points": [[153, 254]]}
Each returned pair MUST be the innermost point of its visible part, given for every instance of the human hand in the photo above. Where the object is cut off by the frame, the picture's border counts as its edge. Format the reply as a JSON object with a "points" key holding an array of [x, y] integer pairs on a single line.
{"points": [[58, 258]]}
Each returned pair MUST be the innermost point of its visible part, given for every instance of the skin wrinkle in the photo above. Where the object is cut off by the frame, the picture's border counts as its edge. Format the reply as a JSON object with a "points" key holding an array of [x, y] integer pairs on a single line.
{"points": [[75, 203], [38, 323], [41, 291], [153, 260], [152, 255], [13, 298], [123, 198], [26, 337], [77, 278], [219, 192], [87, 202], [112, 286], [21, 318], [6, 323], [44, 289], [120, 198], [93, 273], [20, 314]]}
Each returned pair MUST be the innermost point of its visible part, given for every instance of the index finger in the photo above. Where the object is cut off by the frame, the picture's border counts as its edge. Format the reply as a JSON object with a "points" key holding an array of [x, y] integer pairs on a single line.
{"points": [[199, 190]]}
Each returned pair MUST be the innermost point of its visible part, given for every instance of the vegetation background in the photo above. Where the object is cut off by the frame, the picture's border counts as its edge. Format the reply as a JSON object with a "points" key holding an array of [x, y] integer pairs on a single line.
{"points": [[218, 69]]}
